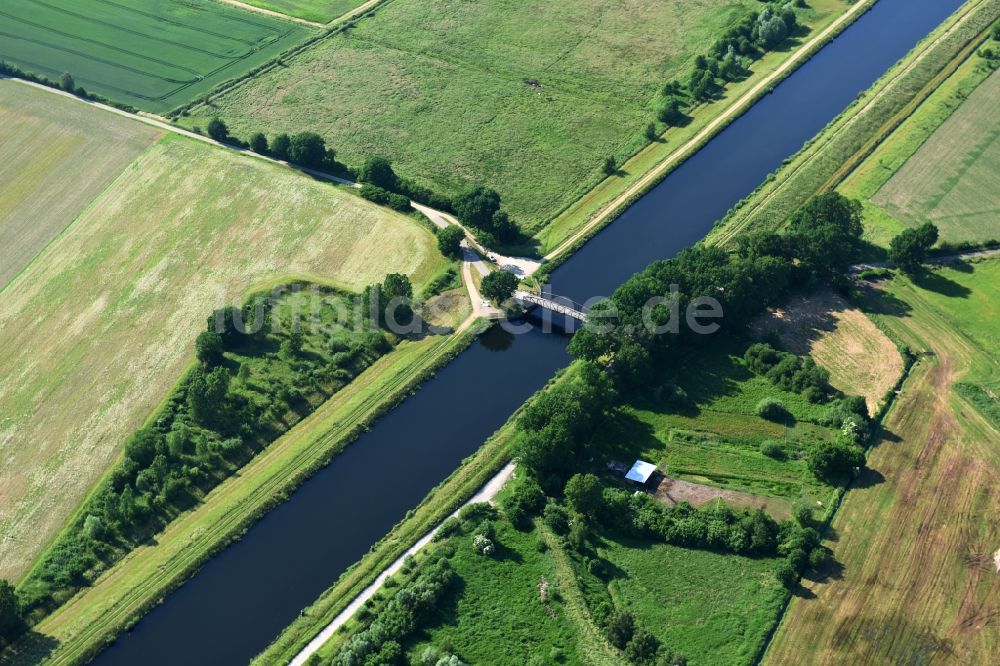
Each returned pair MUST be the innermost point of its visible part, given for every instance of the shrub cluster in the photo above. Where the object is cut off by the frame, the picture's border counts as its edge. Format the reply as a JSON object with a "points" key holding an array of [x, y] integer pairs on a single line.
{"points": [[381, 642], [728, 59], [222, 413], [790, 372], [640, 646]]}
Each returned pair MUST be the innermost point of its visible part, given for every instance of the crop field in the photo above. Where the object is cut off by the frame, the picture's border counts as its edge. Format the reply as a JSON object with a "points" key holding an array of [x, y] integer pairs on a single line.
{"points": [[915, 580], [861, 359], [311, 10], [101, 325], [151, 54], [953, 180], [514, 95], [716, 609], [45, 141]]}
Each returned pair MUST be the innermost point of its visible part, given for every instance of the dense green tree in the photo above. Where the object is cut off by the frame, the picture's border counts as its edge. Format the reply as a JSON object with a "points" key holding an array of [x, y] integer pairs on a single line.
{"points": [[93, 527], [825, 235], [909, 249], [206, 393], [67, 83], [258, 143], [772, 30], [307, 149], [394, 296], [378, 171], [450, 241], [786, 575], [585, 494], [477, 206], [833, 461], [217, 129], [651, 134], [209, 347], [610, 166], [280, 146], [11, 622], [498, 286], [643, 647]]}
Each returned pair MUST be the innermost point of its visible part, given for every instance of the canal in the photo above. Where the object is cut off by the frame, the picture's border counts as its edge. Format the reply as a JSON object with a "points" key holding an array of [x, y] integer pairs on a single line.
{"points": [[242, 598]]}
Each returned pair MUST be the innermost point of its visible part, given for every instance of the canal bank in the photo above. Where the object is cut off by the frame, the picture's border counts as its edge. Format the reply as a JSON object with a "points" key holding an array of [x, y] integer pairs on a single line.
{"points": [[242, 598]]}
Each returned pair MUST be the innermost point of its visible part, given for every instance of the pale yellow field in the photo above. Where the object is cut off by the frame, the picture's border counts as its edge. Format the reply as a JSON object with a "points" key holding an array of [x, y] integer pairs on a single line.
{"points": [[861, 359], [95, 332], [56, 155]]}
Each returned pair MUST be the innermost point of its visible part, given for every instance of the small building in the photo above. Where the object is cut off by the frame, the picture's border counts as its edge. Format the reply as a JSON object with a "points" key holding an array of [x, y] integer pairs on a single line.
{"points": [[641, 472]]}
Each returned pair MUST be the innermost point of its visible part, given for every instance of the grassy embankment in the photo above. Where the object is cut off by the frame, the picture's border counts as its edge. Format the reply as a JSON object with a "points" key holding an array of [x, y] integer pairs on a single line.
{"points": [[940, 165], [916, 580], [45, 141], [834, 153], [152, 54], [530, 122], [102, 323], [122, 595]]}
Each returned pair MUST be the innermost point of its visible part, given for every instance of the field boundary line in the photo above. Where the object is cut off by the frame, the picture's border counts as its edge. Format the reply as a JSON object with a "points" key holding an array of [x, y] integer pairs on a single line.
{"points": [[737, 108], [270, 12]]}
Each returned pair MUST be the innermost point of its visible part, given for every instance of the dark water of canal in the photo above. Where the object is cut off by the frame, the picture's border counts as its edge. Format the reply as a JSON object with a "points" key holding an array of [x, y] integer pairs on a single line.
{"points": [[242, 599]]}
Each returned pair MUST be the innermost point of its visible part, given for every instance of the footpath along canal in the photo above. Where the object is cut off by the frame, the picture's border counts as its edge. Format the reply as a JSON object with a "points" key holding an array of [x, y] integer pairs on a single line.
{"points": [[242, 598]]}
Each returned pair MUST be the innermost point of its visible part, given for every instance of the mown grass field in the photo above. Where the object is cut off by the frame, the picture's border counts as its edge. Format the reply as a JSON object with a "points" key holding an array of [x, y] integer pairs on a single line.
{"points": [[916, 580], [101, 325], [151, 54], [527, 97], [715, 609], [939, 165], [45, 142], [715, 436], [323, 11]]}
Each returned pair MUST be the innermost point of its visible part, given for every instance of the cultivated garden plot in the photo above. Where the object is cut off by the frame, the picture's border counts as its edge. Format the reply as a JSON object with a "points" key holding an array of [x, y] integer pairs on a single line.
{"points": [[151, 54], [102, 324]]}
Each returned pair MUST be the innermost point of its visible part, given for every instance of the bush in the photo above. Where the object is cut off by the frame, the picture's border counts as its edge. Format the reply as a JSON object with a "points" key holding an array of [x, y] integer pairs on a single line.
{"points": [[483, 545], [773, 449], [831, 462], [258, 143], [556, 518], [217, 129], [786, 575], [772, 410]]}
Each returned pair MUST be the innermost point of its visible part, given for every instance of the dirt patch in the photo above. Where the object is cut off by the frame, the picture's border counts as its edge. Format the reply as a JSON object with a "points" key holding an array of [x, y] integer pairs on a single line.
{"points": [[672, 491], [861, 359]]}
